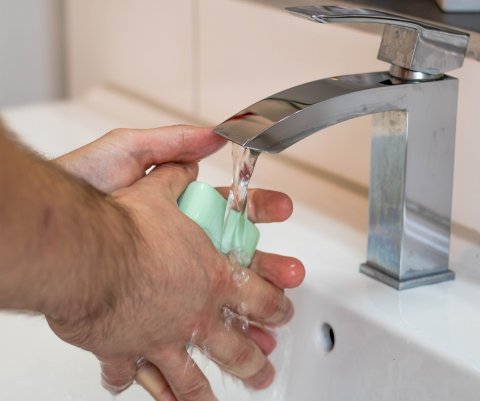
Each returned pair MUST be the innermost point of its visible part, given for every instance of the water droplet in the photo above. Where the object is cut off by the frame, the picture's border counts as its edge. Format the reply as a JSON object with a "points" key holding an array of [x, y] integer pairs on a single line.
{"points": [[244, 323], [243, 309], [240, 276]]}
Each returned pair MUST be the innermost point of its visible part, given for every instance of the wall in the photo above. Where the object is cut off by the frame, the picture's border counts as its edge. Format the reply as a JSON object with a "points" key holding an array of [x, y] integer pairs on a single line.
{"points": [[208, 59], [31, 67], [141, 46]]}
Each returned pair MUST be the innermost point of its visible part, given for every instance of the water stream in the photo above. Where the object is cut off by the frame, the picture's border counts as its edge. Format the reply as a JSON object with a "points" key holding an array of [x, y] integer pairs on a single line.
{"points": [[244, 161], [225, 386]]}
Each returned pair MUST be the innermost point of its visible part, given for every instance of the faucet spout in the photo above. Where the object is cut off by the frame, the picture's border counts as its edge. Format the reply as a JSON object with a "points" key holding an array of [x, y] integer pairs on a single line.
{"points": [[278, 121], [411, 170]]}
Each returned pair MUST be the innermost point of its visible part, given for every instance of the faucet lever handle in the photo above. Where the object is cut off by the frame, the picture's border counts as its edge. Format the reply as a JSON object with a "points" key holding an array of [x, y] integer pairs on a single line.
{"points": [[406, 43]]}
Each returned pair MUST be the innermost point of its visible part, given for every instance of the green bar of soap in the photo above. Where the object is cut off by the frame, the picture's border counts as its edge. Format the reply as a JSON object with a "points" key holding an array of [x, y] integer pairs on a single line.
{"points": [[204, 205]]}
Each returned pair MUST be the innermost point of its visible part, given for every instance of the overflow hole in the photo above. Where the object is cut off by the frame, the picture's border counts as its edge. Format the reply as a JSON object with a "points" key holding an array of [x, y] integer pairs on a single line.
{"points": [[325, 337]]}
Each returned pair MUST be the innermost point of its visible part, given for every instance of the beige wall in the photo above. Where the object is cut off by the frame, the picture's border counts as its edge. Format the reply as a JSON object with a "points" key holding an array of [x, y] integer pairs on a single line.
{"points": [[144, 46], [31, 66], [209, 58]]}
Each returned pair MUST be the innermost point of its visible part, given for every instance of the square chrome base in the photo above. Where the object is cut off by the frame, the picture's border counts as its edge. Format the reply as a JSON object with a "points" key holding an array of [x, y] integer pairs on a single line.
{"points": [[379, 275]]}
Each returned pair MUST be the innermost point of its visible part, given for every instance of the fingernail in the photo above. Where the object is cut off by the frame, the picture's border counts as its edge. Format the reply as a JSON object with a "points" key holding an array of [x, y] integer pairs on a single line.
{"points": [[297, 272]]}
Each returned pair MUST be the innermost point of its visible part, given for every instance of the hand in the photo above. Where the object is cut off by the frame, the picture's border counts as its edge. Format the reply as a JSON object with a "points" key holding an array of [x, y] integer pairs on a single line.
{"points": [[175, 295], [119, 159], [284, 272]]}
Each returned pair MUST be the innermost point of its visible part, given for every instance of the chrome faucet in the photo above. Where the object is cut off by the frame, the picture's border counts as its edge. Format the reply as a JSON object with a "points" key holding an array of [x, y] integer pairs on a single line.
{"points": [[414, 115]]}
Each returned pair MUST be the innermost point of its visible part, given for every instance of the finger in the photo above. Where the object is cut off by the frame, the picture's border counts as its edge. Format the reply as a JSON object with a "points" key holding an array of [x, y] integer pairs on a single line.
{"points": [[172, 178], [118, 373], [258, 299], [281, 271], [237, 354], [262, 379], [264, 339], [150, 378], [265, 206], [186, 380], [178, 143]]}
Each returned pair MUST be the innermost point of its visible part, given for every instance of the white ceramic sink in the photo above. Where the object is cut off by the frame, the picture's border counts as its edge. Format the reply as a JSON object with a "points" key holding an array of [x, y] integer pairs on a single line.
{"points": [[416, 345]]}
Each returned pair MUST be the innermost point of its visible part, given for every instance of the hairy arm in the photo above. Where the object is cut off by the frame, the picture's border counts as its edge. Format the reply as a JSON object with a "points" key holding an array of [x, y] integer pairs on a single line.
{"points": [[59, 238], [128, 275]]}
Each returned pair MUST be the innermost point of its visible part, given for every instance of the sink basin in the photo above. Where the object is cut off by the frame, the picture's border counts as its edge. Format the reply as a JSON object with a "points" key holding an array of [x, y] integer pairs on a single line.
{"points": [[352, 339]]}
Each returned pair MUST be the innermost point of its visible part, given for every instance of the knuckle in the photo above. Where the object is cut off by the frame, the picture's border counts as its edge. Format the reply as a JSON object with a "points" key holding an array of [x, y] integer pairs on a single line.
{"points": [[176, 170], [119, 132], [221, 277], [273, 305], [243, 357], [129, 138], [278, 309], [181, 131]]}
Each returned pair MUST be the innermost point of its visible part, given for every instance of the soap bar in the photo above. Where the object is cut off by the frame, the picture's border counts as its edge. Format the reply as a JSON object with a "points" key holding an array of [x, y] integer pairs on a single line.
{"points": [[204, 205]]}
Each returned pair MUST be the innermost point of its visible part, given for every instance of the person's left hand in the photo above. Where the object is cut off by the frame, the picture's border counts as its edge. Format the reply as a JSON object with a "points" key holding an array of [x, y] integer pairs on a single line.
{"points": [[121, 157]]}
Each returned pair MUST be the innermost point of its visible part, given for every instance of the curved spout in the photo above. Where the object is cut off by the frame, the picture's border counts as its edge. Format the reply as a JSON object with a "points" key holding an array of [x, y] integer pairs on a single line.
{"points": [[278, 121], [411, 168]]}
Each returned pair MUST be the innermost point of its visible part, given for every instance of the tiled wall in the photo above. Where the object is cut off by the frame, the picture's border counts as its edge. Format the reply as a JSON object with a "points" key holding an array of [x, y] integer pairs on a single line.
{"points": [[210, 58]]}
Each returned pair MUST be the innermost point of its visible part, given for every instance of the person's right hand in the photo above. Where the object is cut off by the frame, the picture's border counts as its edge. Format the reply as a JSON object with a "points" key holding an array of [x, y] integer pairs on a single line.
{"points": [[121, 157], [175, 292]]}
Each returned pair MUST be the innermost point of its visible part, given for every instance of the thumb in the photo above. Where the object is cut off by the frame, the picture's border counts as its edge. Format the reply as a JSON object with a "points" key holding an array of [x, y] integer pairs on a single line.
{"points": [[173, 178]]}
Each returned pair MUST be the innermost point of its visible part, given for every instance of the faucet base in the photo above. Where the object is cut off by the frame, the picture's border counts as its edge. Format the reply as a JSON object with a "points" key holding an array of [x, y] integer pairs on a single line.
{"points": [[379, 275]]}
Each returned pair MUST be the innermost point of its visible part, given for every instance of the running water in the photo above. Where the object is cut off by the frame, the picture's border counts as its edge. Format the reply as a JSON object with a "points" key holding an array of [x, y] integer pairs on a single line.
{"points": [[244, 160], [226, 387]]}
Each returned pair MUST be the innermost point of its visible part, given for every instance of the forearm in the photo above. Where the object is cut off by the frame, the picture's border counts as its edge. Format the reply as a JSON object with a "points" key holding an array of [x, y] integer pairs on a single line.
{"points": [[65, 247]]}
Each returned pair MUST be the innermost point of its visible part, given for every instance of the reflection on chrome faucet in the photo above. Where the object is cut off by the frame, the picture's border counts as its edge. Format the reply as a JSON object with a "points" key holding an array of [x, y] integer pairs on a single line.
{"points": [[413, 141]]}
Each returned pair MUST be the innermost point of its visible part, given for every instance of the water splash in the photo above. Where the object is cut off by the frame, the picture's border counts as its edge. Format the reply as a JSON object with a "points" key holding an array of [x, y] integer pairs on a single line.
{"points": [[192, 347], [244, 161], [232, 319], [229, 388]]}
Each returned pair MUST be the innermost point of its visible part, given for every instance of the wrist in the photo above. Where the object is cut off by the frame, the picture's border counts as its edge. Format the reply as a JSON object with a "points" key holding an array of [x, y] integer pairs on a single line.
{"points": [[66, 248], [106, 266]]}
